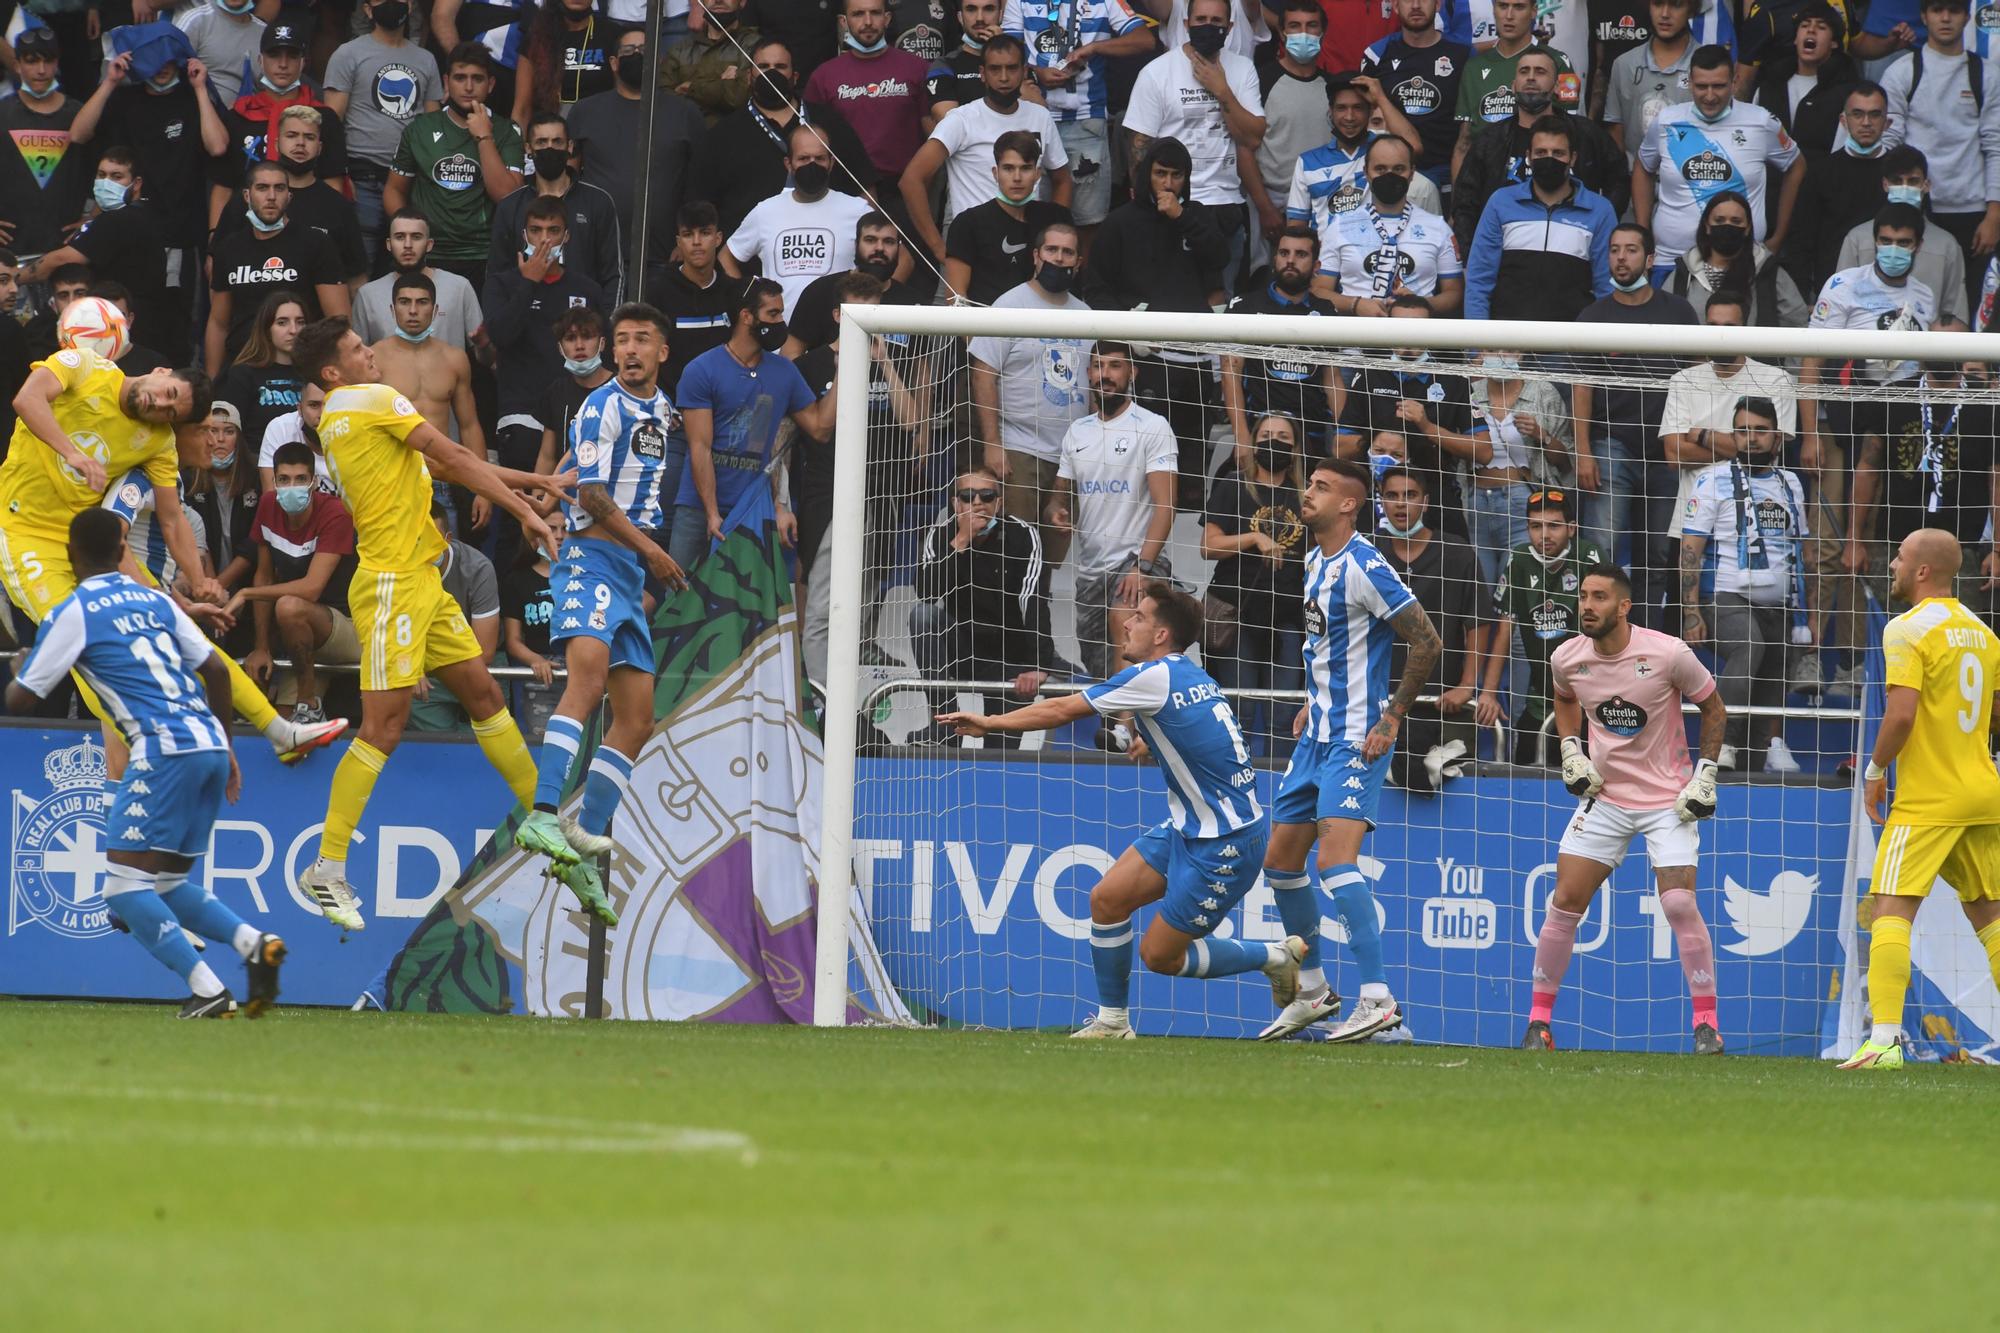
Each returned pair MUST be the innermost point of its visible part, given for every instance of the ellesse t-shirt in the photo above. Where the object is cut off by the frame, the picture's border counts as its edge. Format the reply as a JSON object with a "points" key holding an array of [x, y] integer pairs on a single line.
{"points": [[250, 268]]}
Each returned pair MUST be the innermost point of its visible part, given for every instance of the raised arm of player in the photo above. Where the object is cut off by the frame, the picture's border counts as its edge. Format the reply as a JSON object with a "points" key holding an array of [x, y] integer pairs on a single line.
{"points": [[454, 463], [1413, 623], [596, 501], [34, 406], [185, 550], [1041, 715]]}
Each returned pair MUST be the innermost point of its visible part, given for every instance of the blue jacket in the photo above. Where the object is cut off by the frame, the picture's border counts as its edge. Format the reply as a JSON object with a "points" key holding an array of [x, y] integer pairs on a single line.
{"points": [[1530, 261]]}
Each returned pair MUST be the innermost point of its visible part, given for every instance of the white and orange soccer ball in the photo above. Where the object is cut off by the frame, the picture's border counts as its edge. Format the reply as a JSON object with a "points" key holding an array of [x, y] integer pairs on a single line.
{"points": [[96, 325]]}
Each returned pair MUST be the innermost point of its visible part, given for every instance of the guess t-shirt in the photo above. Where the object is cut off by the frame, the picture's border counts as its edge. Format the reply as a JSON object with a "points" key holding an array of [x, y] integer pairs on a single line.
{"points": [[1632, 711]]}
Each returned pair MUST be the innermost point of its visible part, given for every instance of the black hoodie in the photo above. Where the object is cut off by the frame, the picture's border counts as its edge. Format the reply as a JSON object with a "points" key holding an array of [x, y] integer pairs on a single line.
{"points": [[1142, 257]]}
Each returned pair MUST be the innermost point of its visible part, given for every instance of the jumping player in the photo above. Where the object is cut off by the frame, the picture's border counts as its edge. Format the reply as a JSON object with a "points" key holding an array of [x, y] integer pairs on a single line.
{"points": [[1355, 607], [166, 689], [1943, 666], [1201, 859], [619, 442], [376, 447], [1628, 682]]}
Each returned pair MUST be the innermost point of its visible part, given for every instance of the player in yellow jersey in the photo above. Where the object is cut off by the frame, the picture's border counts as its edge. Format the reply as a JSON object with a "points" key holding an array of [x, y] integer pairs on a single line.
{"points": [[1943, 667], [81, 421], [377, 448]]}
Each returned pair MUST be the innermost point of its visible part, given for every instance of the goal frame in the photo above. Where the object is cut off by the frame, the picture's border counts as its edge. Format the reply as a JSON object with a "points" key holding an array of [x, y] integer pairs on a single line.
{"points": [[847, 595]]}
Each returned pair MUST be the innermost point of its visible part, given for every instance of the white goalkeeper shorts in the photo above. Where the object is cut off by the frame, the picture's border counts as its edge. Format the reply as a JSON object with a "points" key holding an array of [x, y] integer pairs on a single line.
{"points": [[1603, 832]]}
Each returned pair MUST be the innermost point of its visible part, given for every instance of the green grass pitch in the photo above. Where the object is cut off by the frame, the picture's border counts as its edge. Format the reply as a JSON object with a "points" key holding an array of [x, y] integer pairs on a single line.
{"points": [[338, 1171]]}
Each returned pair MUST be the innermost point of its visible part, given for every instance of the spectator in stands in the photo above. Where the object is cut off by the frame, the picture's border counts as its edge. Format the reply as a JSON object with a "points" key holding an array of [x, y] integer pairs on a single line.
{"points": [[1070, 49], [268, 253], [299, 427], [1330, 180], [734, 401], [1807, 84], [376, 84], [1930, 96], [39, 197], [1618, 424], [455, 164], [879, 88], [1652, 77], [225, 37], [459, 321], [120, 239], [982, 609], [262, 383], [1487, 92], [1878, 295], [1712, 138], [580, 338], [567, 54], [604, 126], [303, 541], [1724, 257], [1500, 153], [963, 143], [955, 78], [987, 247], [693, 292], [434, 375], [1420, 69], [1541, 251], [14, 360], [297, 147], [1387, 246], [137, 358], [1414, 409], [1534, 600], [225, 494], [1165, 251], [526, 608], [1255, 386], [745, 157], [252, 120], [1206, 98], [1747, 517], [804, 232], [1248, 28], [1527, 424], [1115, 491], [470, 581], [1766, 28], [1940, 264], [1252, 530], [65, 285], [1296, 94], [1888, 28], [878, 250], [596, 244], [707, 66], [1026, 391], [1438, 571], [1843, 187]]}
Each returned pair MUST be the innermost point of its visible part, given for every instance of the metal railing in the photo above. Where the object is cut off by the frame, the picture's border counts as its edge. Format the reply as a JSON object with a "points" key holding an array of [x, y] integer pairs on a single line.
{"points": [[1694, 710]]}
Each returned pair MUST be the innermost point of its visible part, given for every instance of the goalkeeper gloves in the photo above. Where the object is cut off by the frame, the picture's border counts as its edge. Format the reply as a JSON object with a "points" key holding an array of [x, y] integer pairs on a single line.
{"points": [[1697, 799], [1580, 776]]}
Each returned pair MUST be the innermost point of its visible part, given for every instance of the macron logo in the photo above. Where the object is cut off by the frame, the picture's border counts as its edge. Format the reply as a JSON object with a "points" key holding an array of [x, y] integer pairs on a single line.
{"points": [[1767, 922]]}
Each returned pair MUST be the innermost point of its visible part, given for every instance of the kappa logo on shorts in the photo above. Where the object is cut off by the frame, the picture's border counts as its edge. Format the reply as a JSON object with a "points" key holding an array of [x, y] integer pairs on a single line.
{"points": [[1356, 763], [57, 854], [135, 811], [1211, 903], [573, 585], [134, 833], [140, 788], [571, 622], [1352, 784], [571, 604], [1350, 804], [1201, 921], [1229, 853]]}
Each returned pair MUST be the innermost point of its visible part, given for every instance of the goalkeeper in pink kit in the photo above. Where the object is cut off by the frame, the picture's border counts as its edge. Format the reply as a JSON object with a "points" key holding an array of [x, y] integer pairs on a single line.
{"points": [[1626, 684]]}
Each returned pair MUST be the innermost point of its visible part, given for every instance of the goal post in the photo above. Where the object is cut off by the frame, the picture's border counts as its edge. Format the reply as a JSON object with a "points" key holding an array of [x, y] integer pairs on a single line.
{"points": [[1432, 861]]}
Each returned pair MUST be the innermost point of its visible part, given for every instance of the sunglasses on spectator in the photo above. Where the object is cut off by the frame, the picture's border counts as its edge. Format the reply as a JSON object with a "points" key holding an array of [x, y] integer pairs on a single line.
{"points": [[982, 496], [1544, 499]]}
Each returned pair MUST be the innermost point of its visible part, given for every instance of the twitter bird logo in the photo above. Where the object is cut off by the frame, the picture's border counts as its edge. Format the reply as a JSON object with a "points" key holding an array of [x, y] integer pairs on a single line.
{"points": [[1767, 922]]}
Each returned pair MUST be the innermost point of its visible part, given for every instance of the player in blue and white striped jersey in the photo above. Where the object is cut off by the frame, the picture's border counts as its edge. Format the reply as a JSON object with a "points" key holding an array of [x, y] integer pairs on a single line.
{"points": [[165, 687], [619, 444], [1355, 609], [131, 498], [1203, 859]]}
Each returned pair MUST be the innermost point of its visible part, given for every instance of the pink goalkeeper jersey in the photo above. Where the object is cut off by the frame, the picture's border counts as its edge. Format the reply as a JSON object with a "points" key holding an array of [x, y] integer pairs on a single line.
{"points": [[1632, 707]]}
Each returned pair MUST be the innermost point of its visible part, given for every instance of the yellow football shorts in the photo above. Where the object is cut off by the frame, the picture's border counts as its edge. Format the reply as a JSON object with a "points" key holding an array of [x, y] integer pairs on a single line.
{"points": [[35, 571], [408, 626], [1910, 857]]}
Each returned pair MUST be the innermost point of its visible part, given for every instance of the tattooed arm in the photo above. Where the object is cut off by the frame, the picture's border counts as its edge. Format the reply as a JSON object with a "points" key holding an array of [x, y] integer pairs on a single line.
{"points": [[1415, 626], [1694, 551], [1714, 718]]}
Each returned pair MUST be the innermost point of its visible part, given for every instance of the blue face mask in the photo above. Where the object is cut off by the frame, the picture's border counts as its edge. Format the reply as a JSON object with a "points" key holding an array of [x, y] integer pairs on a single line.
{"points": [[282, 92], [262, 227], [295, 499], [1893, 260], [1913, 195], [158, 88], [221, 462], [1302, 46], [418, 336], [583, 367], [881, 43], [1638, 284], [1708, 119], [110, 195]]}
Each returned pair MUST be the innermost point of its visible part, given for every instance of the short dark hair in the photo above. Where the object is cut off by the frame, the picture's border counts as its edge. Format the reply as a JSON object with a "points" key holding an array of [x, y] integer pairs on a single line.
{"points": [[1021, 143], [1900, 216], [1178, 611], [756, 292], [766, 43], [1401, 473], [873, 220], [1903, 159], [697, 214], [1042, 236], [1644, 233], [546, 208], [261, 165], [1347, 471], [9, 258], [469, 53], [318, 346], [69, 275], [201, 392], [579, 319], [1003, 42], [118, 155], [1712, 56], [1539, 49], [854, 285], [803, 127], [638, 312], [1863, 88], [1300, 231], [1411, 301], [293, 453], [1758, 407], [1111, 347], [1730, 296], [415, 280], [1556, 127], [407, 215], [1605, 569], [98, 535], [546, 118], [111, 291]]}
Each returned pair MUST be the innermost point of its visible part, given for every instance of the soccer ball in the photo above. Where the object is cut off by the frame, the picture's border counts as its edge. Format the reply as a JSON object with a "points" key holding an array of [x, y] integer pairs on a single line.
{"points": [[95, 325]]}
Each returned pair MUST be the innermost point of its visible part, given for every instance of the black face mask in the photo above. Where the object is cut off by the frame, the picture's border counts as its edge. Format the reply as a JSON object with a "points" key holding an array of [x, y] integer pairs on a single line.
{"points": [[1006, 101], [812, 177], [771, 91], [1389, 189], [1728, 239], [1274, 459], [392, 15], [551, 163], [1207, 41], [1533, 103], [880, 269], [770, 337], [631, 68], [1548, 173], [1055, 277]]}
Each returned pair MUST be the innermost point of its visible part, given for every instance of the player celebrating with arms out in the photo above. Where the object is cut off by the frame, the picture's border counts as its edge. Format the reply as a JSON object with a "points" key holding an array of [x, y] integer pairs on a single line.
{"points": [[1355, 608], [166, 689], [376, 446], [1942, 668], [1629, 683], [619, 441], [1199, 861]]}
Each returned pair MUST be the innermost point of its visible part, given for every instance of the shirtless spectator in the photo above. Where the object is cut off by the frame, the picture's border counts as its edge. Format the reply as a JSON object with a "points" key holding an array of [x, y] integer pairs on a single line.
{"points": [[430, 372]]}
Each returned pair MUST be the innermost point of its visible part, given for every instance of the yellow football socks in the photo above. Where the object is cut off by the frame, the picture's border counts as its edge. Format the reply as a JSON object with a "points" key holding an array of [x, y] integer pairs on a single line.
{"points": [[1990, 937], [353, 780], [244, 696], [501, 741], [1888, 968]]}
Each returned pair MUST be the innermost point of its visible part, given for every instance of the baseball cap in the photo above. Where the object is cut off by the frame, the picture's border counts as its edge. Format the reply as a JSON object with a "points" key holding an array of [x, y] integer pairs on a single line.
{"points": [[284, 35], [228, 412], [37, 41]]}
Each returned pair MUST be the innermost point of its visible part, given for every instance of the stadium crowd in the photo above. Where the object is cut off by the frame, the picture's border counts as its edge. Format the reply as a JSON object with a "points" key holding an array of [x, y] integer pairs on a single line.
{"points": [[461, 182]]}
